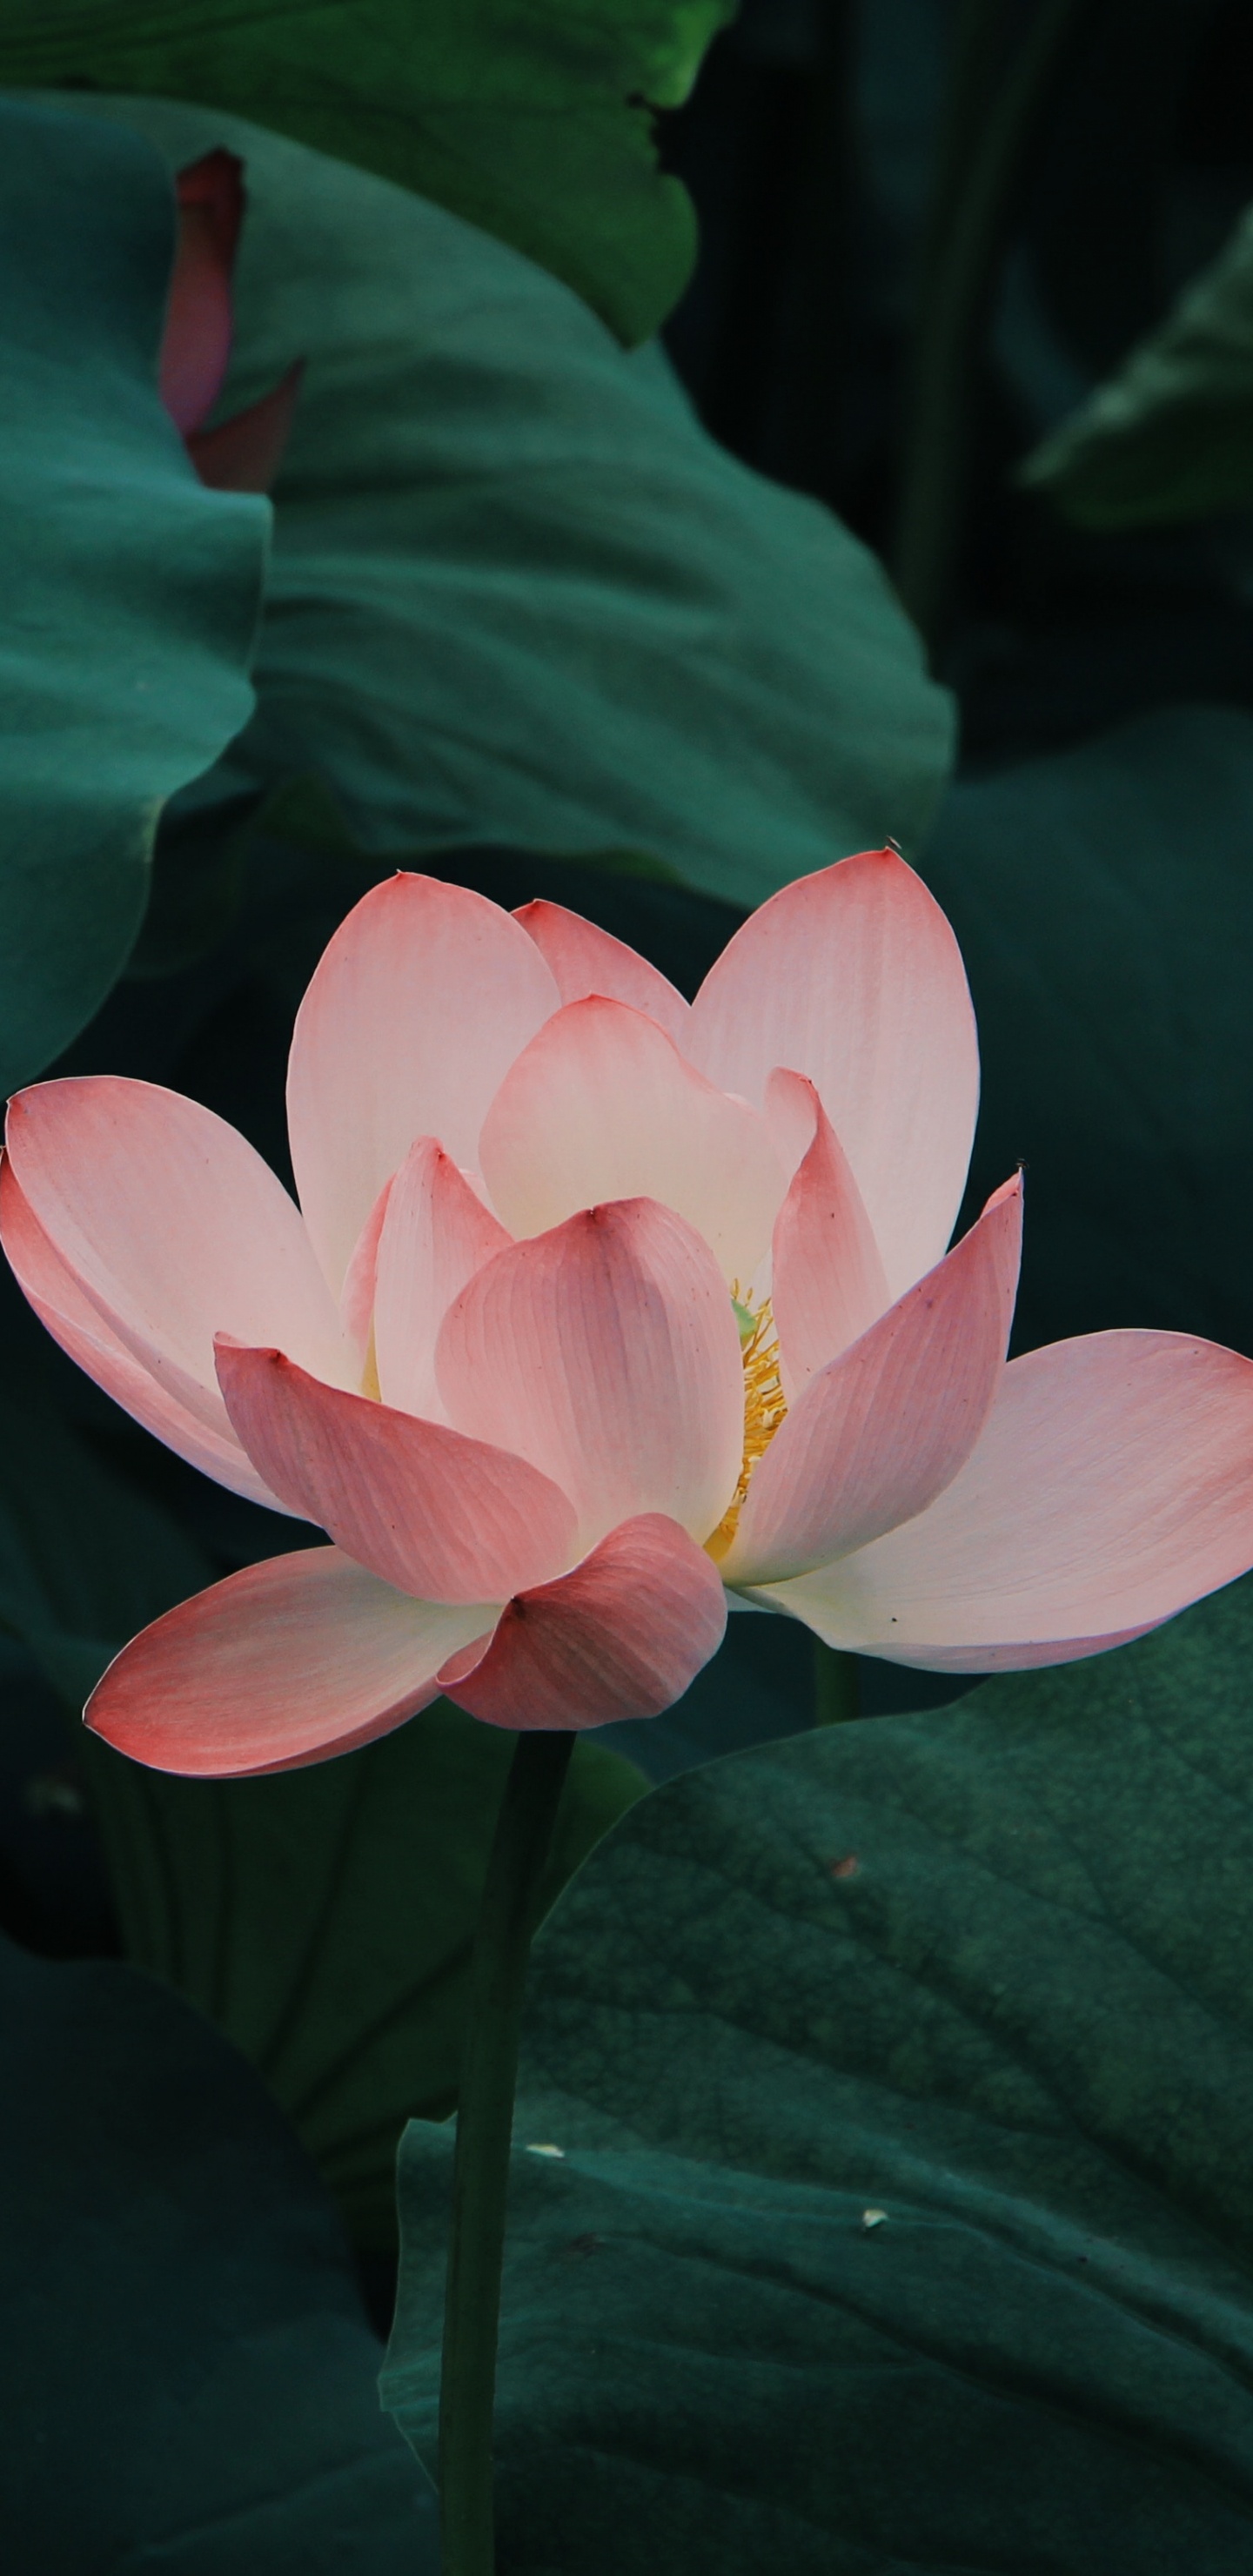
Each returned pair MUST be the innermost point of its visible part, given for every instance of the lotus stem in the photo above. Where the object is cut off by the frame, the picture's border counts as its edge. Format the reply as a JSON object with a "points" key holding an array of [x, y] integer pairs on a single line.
{"points": [[508, 1913], [837, 1687]]}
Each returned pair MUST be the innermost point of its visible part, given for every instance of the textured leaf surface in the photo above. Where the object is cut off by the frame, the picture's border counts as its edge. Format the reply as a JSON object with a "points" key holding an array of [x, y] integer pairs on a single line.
{"points": [[1103, 899], [131, 592], [1170, 436], [517, 595], [526, 116], [903, 2075], [188, 2374]]}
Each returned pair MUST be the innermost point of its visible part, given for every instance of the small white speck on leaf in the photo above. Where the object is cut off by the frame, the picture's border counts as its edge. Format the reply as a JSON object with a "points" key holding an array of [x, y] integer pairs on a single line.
{"points": [[545, 2150], [872, 2218]]}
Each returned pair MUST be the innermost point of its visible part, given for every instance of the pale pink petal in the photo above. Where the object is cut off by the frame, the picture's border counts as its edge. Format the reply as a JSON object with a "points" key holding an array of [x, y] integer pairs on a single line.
{"points": [[828, 1280], [287, 1663], [173, 1230], [883, 1429], [792, 1107], [602, 1106], [420, 1004], [83, 1334], [356, 1297], [1113, 1483], [607, 1353], [623, 1635], [1008, 1659], [587, 960], [436, 1235], [442, 1517], [854, 977]]}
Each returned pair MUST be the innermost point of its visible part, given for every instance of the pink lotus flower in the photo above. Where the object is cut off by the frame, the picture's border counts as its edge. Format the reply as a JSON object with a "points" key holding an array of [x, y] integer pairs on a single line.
{"points": [[602, 1309]]}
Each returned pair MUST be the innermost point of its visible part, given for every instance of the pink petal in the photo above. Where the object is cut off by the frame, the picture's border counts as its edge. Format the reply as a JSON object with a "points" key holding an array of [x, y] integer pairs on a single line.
{"points": [[623, 1635], [1113, 1483], [173, 1230], [828, 1280], [244, 453], [607, 1353], [436, 1235], [587, 960], [356, 1297], [883, 1429], [792, 1107], [854, 977], [602, 1106], [74, 1322], [287, 1663], [196, 344], [437, 1515], [418, 1008]]}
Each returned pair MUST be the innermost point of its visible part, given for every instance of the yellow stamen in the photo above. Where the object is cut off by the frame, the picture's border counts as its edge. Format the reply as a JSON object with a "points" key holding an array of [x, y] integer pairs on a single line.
{"points": [[370, 1372], [764, 1404]]}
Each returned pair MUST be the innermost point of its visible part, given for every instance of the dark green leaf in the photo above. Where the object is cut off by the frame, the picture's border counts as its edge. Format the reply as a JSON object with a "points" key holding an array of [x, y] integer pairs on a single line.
{"points": [[131, 592], [903, 2078], [533, 120], [517, 595], [1170, 436], [188, 2375], [1103, 899]]}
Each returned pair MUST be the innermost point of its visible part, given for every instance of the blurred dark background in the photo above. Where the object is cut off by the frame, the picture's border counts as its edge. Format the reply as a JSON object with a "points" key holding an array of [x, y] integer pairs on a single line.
{"points": [[812, 148]]}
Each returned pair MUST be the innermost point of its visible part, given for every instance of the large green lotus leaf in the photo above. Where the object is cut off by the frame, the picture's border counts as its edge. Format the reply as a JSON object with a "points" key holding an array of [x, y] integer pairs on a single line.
{"points": [[188, 2375], [1170, 436], [1104, 902], [322, 1918], [902, 2081], [517, 595], [130, 592], [530, 117]]}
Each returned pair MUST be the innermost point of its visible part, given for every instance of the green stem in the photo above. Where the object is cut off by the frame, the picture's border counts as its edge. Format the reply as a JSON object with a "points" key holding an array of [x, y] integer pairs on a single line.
{"points": [[507, 1917], [982, 163], [837, 1694]]}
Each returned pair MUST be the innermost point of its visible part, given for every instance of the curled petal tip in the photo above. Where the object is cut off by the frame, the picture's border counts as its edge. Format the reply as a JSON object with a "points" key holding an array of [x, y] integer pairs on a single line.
{"points": [[622, 1635]]}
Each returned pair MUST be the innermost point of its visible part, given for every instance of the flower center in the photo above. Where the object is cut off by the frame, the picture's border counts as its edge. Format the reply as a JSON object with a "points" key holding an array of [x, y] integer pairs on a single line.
{"points": [[764, 1403]]}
